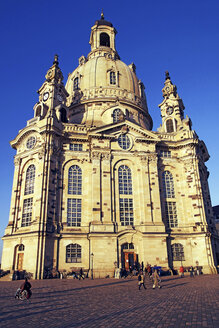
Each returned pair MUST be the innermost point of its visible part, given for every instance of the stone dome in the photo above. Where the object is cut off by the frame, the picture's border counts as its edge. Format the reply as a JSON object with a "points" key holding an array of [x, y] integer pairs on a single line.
{"points": [[102, 81]]}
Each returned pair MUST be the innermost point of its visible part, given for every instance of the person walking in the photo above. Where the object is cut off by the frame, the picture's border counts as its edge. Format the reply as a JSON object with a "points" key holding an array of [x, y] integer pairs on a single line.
{"points": [[191, 270], [141, 280], [81, 274], [156, 279], [149, 271]]}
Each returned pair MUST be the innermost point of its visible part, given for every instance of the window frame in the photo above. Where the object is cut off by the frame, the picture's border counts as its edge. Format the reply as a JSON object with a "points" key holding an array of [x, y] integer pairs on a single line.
{"points": [[74, 209], [171, 214], [27, 212], [75, 147], [30, 180], [112, 78], [169, 125], [76, 83], [31, 142], [168, 184], [124, 142], [177, 250], [74, 180], [74, 249], [125, 195], [116, 114]]}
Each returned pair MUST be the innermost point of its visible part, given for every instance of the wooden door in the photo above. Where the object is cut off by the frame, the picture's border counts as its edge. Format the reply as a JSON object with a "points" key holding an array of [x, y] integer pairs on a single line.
{"points": [[130, 258], [126, 260], [20, 259]]}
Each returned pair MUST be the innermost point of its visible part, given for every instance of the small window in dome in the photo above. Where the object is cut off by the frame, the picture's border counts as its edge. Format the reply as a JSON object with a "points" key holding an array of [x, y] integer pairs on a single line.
{"points": [[76, 84], [112, 78], [104, 40], [116, 115]]}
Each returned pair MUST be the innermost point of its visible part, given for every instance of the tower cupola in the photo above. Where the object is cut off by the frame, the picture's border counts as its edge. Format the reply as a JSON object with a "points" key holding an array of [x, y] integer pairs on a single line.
{"points": [[103, 35], [52, 94], [172, 109]]}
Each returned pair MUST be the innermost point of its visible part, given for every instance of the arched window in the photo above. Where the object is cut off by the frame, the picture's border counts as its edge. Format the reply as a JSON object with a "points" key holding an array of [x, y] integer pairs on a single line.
{"points": [[73, 253], [168, 185], [76, 84], [125, 180], [116, 115], [38, 111], [30, 179], [74, 180], [104, 40], [178, 252], [125, 203], [128, 246], [63, 115], [112, 78], [169, 126], [21, 248]]}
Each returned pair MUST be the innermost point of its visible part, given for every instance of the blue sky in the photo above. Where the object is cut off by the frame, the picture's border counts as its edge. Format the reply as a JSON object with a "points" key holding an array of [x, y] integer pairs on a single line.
{"points": [[179, 36]]}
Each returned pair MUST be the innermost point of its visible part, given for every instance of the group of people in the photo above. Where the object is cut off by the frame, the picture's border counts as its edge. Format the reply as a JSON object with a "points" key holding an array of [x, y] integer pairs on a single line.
{"points": [[151, 273], [79, 276], [191, 270]]}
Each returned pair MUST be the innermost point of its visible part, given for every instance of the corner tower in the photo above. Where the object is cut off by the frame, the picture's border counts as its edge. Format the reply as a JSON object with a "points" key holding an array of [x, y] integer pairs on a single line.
{"points": [[172, 109]]}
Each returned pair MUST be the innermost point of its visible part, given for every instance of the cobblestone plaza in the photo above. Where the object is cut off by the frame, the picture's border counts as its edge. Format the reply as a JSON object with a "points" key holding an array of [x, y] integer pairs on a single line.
{"points": [[186, 302]]}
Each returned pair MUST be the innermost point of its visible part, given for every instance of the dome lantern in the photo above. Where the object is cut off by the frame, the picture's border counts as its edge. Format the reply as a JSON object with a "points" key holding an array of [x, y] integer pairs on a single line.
{"points": [[103, 35]]}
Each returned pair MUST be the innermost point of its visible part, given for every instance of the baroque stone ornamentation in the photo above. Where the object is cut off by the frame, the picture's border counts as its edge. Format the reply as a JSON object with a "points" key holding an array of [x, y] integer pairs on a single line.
{"points": [[99, 188]]}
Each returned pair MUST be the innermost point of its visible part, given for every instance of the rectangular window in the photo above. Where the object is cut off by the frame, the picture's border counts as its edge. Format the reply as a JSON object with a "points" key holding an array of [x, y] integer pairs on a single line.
{"points": [[27, 212], [73, 212], [165, 153], [126, 211], [76, 147], [171, 215], [73, 254], [112, 78]]}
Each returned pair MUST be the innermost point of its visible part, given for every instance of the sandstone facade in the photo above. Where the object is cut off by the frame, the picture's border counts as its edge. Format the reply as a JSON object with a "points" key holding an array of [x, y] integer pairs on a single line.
{"points": [[95, 187]]}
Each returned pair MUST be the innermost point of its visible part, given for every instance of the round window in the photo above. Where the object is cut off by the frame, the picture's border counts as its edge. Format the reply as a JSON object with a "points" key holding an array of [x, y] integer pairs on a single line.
{"points": [[31, 142], [124, 141]]}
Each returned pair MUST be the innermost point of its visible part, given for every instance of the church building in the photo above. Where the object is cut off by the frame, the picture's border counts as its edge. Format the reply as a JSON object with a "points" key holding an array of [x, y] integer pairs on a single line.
{"points": [[95, 188]]}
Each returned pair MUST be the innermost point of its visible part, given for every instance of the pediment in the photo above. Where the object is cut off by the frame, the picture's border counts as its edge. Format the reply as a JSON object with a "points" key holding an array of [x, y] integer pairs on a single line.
{"points": [[112, 130], [22, 135]]}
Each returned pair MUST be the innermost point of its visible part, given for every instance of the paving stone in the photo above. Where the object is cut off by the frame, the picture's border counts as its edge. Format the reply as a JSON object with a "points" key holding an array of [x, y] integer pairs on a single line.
{"points": [[113, 303]]}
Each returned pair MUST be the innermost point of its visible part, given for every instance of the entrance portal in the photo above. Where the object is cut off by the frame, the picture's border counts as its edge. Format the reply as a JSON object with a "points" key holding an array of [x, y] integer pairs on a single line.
{"points": [[128, 256], [18, 258]]}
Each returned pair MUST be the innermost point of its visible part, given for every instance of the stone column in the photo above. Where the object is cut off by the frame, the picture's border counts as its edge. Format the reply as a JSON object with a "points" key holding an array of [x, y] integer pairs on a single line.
{"points": [[154, 189], [106, 189], [96, 183], [146, 200]]}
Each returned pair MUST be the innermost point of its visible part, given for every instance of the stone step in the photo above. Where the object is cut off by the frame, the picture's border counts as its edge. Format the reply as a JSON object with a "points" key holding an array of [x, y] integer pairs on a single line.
{"points": [[7, 277]]}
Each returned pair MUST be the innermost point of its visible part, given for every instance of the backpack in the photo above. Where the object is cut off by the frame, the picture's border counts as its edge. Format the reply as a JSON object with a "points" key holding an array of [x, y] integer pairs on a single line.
{"points": [[139, 278]]}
